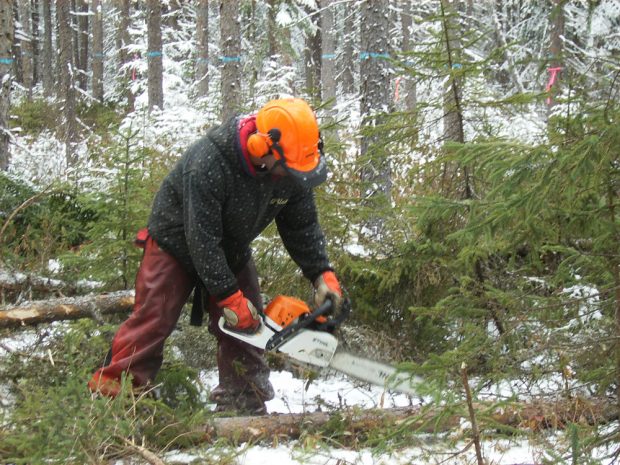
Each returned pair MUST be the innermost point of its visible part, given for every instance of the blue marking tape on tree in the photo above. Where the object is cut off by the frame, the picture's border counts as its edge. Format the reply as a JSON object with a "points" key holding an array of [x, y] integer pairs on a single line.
{"points": [[6, 61], [367, 55], [229, 59], [328, 56], [153, 54]]}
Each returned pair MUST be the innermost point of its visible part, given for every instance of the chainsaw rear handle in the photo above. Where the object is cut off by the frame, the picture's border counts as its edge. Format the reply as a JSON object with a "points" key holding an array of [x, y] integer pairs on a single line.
{"points": [[309, 320]]}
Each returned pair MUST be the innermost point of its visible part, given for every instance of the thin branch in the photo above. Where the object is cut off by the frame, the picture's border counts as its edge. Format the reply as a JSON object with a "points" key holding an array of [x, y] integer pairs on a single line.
{"points": [[24, 205], [146, 454], [472, 415]]}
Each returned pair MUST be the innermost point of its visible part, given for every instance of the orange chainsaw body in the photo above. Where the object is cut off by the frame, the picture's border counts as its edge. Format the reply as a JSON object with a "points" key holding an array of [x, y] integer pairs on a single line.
{"points": [[284, 310]]}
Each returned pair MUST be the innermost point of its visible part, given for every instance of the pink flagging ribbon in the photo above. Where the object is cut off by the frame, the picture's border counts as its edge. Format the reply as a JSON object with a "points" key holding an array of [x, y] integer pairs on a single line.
{"points": [[396, 90], [553, 74]]}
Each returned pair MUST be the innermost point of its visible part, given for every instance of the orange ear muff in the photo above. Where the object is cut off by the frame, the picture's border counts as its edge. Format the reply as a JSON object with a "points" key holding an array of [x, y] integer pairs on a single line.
{"points": [[258, 144]]}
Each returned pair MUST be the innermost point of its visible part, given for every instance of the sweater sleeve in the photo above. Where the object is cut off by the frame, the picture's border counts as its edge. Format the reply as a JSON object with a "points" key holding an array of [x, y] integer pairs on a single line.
{"points": [[302, 236], [204, 192]]}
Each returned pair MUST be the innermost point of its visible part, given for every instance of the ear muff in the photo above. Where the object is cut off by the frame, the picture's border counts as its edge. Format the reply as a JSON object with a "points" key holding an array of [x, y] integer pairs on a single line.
{"points": [[258, 144]]}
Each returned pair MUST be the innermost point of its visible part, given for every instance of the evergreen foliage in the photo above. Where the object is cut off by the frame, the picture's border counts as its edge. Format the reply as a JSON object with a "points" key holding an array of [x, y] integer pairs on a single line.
{"points": [[56, 419], [130, 175], [38, 224], [499, 251]]}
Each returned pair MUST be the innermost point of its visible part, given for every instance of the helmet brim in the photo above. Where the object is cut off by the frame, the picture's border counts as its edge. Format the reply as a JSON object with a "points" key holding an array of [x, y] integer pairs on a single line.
{"points": [[310, 178]]}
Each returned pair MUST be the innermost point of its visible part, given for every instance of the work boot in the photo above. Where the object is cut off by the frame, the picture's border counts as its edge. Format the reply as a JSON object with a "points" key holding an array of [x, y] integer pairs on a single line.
{"points": [[237, 403]]}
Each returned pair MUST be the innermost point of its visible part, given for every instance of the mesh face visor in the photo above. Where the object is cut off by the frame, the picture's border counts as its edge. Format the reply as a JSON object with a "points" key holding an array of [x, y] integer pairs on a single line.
{"points": [[307, 178], [310, 178]]}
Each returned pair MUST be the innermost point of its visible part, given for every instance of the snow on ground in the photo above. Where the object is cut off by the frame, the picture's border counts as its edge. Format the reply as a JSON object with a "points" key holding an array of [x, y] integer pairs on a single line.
{"points": [[335, 390], [332, 391]]}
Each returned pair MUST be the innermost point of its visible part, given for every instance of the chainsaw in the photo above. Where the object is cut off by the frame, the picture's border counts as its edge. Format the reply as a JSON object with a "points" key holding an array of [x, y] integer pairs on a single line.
{"points": [[306, 336]]}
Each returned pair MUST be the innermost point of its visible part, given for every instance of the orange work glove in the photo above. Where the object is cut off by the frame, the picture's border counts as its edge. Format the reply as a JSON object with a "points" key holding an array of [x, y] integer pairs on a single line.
{"points": [[240, 314], [327, 285]]}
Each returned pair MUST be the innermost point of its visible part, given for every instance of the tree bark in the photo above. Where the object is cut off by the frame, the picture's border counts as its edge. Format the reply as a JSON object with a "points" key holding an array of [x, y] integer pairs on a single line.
{"points": [[14, 282], [202, 55], [328, 52], [26, 46], [70, 308], [375, 75], [47, 74], [556, 46], [533, 416], [67, 91], [347, 60], [312, 55], [230, 44], [154, 55], [36, 42], [83, 44], [408, 87], [453, 114], [97, 50], [6, 65], [122, 43]]}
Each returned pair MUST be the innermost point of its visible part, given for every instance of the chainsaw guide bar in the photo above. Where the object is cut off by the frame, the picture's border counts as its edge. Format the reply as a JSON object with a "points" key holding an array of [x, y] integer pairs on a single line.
{"points": [[290, 327]]}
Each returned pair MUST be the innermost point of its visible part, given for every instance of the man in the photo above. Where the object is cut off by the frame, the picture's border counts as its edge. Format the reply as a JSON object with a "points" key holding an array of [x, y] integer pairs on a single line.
{"points": [[224, 191]]}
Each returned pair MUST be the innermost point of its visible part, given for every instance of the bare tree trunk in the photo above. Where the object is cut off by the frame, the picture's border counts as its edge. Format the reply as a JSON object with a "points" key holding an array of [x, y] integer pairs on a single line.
{"points": [[453, 114], [348, 59], [66, 94], [272, 44], [122, 43], [6, 64], [328, 49], [36, 42], [75, 34], [83, 43], [230, 44], [556, 46], [47, 74], [97, 50], [375, 77], [154, 55], [26, 46], [202, 55], [312, 56], [453, 125], [407, 84]]}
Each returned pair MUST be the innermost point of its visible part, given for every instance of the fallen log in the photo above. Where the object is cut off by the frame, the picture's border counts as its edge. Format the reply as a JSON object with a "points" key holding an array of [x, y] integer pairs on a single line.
{"points": [[291, 425], [15, 282], [69, 308], [531, 416]]}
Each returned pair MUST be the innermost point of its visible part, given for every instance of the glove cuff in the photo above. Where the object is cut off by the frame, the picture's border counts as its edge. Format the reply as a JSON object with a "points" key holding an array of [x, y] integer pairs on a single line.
{"points": [[329, 279], [232, 300]]}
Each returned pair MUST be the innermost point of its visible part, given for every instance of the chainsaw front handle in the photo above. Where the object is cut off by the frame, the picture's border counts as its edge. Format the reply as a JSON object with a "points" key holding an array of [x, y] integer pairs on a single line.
{"points": [[309, 320]]}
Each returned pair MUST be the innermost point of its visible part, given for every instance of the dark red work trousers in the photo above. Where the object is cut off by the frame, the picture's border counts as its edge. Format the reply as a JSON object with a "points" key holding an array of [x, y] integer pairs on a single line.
{"points": [[163, 286]]}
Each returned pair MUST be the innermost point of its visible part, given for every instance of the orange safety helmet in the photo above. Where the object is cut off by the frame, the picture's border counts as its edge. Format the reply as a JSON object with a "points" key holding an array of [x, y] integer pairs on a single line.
{"points": [[287, 128]]}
